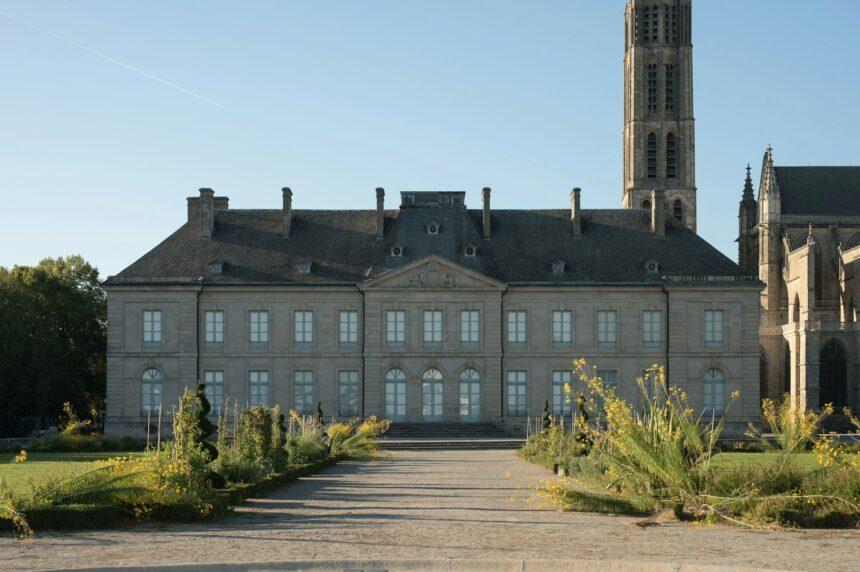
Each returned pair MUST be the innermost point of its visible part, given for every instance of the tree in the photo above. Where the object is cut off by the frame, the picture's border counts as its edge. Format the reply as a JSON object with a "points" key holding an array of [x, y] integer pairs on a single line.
{"points": [[546, 420], [205, 429]]}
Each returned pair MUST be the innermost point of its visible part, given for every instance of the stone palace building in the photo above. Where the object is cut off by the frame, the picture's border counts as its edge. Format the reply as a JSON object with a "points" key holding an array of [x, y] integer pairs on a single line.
{"points": [[435, 312]]}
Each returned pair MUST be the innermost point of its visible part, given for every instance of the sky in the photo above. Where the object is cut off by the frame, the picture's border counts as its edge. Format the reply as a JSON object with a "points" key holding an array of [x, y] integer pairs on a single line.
{"points": [[113, 112]]}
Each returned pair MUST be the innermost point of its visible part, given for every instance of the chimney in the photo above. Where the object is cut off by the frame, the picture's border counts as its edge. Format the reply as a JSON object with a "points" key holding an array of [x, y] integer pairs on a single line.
{"points": [[576, 211], [287, 212], [380, 212], [658, 212], [486, 223], [207, 213]]}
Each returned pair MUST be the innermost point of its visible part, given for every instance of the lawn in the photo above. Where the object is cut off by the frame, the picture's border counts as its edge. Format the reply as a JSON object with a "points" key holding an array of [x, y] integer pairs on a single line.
{"points": [[38, 466], [805, 461]]}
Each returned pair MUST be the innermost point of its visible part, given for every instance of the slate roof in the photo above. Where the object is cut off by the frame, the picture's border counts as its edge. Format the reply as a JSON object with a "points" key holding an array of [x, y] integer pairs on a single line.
{"points": [[342, 248], [819, 190]]}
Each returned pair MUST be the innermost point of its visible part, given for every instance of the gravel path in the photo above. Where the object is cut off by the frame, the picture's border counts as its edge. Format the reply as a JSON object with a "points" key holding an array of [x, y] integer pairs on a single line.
{"points": [[423, 505]]}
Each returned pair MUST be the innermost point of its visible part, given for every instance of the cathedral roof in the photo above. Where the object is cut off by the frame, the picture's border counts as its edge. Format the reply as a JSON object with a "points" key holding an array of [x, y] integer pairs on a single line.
{"points": [[340, 247], [819, 190]]}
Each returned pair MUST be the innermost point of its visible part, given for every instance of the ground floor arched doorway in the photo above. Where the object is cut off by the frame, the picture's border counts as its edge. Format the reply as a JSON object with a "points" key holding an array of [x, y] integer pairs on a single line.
{"points": [[833, 375]]}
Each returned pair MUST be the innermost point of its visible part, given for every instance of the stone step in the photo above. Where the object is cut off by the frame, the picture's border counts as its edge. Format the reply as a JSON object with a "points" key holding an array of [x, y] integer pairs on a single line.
{"points": [[450, 444]]}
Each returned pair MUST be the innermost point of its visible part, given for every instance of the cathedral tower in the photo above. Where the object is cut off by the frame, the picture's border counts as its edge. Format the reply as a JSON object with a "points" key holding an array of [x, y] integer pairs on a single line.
{"points": [[659, 129]]}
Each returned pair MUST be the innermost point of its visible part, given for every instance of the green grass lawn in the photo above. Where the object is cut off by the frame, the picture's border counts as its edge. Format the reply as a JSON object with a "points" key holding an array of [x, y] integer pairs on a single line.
{"points": [[39, 466], [803, 460]]}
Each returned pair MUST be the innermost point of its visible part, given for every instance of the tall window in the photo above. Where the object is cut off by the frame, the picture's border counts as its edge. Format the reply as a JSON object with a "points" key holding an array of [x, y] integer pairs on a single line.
{"points": [[395, 395], [259, 394], [395, 327], [516, 393], [214, 382], [715, 324], [562, 334], [152, 327], [678, 210], [670, 88], [517, 328], [259, 325], [150, 392], [667, 33], [470, 327], [214, 328], [674, 25], [655, 24], [432, 327], [651, 70], [303, 328], [303, 392], [561, 403], [609, 378], [646, 24], [652, 155], [348, 327], [607, 329], [671, 157], [347, 390], [715, 391], [652, 329]]}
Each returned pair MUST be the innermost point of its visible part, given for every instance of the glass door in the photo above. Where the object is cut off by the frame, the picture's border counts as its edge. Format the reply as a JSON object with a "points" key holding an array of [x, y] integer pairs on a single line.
{"points": [[432, 401], [395, 401], [470, 401]]}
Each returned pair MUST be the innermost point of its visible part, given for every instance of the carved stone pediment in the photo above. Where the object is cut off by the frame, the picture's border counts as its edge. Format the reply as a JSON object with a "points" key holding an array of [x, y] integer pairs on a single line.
{"points": [[433, 273], [432, 276]]}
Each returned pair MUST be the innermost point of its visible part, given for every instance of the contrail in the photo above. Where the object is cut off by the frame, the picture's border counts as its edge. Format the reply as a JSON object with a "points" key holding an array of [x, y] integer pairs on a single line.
{"points": [[108, 58]]}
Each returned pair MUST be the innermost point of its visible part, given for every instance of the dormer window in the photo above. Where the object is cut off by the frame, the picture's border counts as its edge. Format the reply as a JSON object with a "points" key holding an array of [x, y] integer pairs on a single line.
{"points": [[470, 251], [304, 268], [652, 267], [558, 267], [397, 251], [216, 268], [432, 228]]}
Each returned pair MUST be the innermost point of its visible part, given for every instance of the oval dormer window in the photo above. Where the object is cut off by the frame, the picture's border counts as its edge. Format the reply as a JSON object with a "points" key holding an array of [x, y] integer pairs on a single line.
{"points": [[652, 267], [558, 267], [397, 251], [433, 228], [470, 251], [304, 268]]}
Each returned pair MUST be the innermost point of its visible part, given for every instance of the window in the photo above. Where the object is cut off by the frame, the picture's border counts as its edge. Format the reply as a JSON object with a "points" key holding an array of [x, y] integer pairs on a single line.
{"points": [[516, 393], [214, 328], [303, 392], [655, 24], [347, 390], [395, 327], [652, 329], [670, 88], [470, 251], [517, 328], [558, 267], [395, 395], [259, 323], [214, 382], [667, 36], [432, 228], [152, 327], [470, 327], [432, 327], [652, 156], [646, 24], [304, 268], [150, 392], [303, 328], [561, 402], [397, 251], [348, 332], [607, 329], [609, 378], [671, 157], [562, 335], [651, 71], [678, 210], [714, 328], [715, 391], [674, 25], [646, 204], [259, 388]]}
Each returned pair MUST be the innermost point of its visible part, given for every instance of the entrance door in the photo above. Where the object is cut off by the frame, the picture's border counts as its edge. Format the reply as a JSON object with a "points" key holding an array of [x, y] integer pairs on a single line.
{"points": [[395, 396], [431, 393], [470, 396]]}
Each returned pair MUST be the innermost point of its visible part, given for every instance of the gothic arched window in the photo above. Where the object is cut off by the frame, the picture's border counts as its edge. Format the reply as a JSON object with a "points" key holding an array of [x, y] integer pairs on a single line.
{"points": [[678, 210], [646, 204], [652, 155], [671, 157]]}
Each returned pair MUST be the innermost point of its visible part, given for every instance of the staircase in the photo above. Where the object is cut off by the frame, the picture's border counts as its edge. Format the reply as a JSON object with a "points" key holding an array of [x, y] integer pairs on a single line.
{"points": [[448, 436]]}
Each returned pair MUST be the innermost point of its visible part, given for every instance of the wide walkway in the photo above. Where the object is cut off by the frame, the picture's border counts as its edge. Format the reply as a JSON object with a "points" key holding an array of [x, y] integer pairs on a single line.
{"points": [[429, 505]]}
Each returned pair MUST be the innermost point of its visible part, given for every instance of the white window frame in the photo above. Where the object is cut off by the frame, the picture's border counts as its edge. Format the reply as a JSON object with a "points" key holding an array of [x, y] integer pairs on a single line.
{"points": [[715, 328], [562, 328], [562, 404], [303, 392], [395, 327], [714, 391], [348, 327], [347, 394], [609, 377], [303, 328], [607, 328], [516, 393], [517, 328], [258, 388], [214, 328], [470, 327], [151, 392], [652, 329], [214, 382], [258, 328], [152, 328], [433, 323]]}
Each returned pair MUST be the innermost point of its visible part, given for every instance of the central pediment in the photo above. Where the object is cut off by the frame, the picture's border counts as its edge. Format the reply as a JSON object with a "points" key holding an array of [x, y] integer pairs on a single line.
{"points": [[433, 273]]}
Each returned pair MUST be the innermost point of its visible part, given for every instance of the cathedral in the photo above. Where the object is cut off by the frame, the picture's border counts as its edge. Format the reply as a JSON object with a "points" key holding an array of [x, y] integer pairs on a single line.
{"points": [[434, 312]]}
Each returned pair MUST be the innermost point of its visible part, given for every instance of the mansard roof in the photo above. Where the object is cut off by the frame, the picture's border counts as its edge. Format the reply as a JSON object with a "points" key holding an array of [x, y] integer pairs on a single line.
{"points": [[342, 247], [819, 190]]}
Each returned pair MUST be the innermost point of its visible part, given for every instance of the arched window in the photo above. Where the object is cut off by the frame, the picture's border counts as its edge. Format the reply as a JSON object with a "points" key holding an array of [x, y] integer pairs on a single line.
{"points": [[395, 375], [678, 210], [646, 204], [432, 374], [150, 392], [671, 157], [795, 310], [715, 391], [833, 375], [470, 374], [652, 156], [786, 370], [431, 396], [470, 396]]}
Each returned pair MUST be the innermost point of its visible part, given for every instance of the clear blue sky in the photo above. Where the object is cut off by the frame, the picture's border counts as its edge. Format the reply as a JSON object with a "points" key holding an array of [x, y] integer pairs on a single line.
{"points": [[335, 98]]}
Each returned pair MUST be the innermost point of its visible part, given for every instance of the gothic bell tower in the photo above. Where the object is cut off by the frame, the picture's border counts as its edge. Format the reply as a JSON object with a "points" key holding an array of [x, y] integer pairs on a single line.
{"points": [[659, 129]]}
